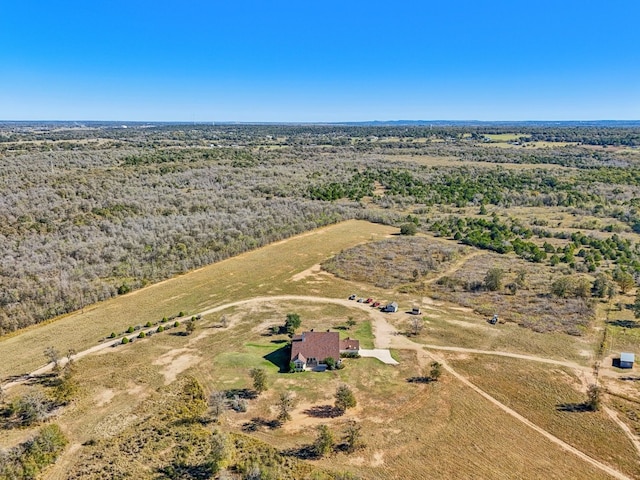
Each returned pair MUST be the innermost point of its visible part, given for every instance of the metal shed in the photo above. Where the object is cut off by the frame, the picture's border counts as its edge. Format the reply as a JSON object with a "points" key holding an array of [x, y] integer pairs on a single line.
{"points": [[627, 359]]}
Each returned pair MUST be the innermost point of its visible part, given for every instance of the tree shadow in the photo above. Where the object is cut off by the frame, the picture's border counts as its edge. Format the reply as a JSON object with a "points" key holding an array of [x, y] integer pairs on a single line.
{"points": [[244, 393], [630, 379], [324, 411], [280, 342], [50, 379], [258, 422], [420, 380], [177, 471], [573, 407], [280, 358], [624, 323], [306, 452]]}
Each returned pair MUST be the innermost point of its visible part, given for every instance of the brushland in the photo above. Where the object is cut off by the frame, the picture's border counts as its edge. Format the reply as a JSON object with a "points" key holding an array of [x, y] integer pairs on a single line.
{"points": [[552, 251]]}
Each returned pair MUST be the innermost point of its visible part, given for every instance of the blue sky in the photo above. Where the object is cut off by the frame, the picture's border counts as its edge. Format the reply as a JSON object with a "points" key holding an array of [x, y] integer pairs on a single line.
{"points": [[307, 61]]}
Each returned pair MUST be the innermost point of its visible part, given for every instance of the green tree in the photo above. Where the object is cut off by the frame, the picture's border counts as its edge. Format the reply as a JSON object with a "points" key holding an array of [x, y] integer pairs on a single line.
{"points": [[350, 322], [324, 442], [436, 371], [344, 398], [352, 438], [601, 286], [66, 388], [582, 288], [493, 279], [594, 395], [286, 403], [625, 281], [218, 451], [562, 287], [190, 327], [259, 376], [292, 323]]}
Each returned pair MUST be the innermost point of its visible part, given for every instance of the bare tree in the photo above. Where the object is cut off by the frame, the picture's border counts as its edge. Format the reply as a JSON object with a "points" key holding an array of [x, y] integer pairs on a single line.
{"points": [[53, 356], [417, 325], [218, 403]]}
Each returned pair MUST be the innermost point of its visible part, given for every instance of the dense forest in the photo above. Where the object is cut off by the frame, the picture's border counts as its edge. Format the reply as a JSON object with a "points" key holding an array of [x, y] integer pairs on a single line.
{"points": [[89, 212]]}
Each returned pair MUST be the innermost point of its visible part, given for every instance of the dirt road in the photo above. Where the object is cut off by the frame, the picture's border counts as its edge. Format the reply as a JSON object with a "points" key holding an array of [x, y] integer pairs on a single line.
{"points": [[386, 336]]}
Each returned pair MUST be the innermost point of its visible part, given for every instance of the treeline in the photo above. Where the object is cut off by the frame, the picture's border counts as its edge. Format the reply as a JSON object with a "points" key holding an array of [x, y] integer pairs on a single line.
{"points": [[582, 252], [460, 186]]}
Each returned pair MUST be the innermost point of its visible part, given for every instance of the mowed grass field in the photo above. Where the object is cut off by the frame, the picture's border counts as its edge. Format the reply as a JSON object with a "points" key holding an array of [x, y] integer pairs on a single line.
{"points": [[438, 430]]}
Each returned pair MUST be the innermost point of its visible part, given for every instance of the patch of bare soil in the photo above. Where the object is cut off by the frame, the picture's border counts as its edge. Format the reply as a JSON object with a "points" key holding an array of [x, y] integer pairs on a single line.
{"points": [[104, 396], [312, 271], [175, 362]]}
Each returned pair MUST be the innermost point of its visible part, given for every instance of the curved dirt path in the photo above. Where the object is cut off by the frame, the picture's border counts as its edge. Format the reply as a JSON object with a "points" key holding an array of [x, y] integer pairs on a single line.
{"points": [[386, 336]]}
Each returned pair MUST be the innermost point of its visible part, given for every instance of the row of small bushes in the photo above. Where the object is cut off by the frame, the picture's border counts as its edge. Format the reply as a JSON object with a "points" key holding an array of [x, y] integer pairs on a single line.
{"points": [[164, 320]]}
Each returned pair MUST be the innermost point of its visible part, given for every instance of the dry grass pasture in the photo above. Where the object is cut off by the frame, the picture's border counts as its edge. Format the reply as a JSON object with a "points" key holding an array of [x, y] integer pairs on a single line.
{"points": [[126, 418]]}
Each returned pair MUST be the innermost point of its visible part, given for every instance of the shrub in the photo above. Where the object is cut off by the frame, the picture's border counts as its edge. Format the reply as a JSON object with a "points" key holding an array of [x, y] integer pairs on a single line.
{"points": [[493, 279], [113, 335], [238, 404], [164, 320], [176, 324], [142, 335], [160, 329], [125, 340], [330, 363], [408, 229], [130, 330], [181, 314], [148, 324]]}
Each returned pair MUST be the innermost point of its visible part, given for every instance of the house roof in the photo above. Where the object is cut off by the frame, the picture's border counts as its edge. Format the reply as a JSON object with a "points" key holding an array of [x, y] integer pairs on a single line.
{"points": [[627, 357], [318, 345], [300, 357], [349, 344]]}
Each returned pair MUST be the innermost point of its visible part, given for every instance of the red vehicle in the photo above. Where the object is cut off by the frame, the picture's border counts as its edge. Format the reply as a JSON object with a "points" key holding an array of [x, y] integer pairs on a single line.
{"points": [[368, 300], [375, 304]]}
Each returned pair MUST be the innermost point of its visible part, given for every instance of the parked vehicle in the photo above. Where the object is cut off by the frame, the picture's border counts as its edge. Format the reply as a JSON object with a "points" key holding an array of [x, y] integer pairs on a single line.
{"points": [[494, 320], [361, 300], [352, 296], [375, 304], [368, 300], [416, 311]]}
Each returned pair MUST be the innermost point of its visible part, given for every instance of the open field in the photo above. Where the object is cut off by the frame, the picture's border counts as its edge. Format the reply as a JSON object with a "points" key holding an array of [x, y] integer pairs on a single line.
{"points": [[410, 427]]}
